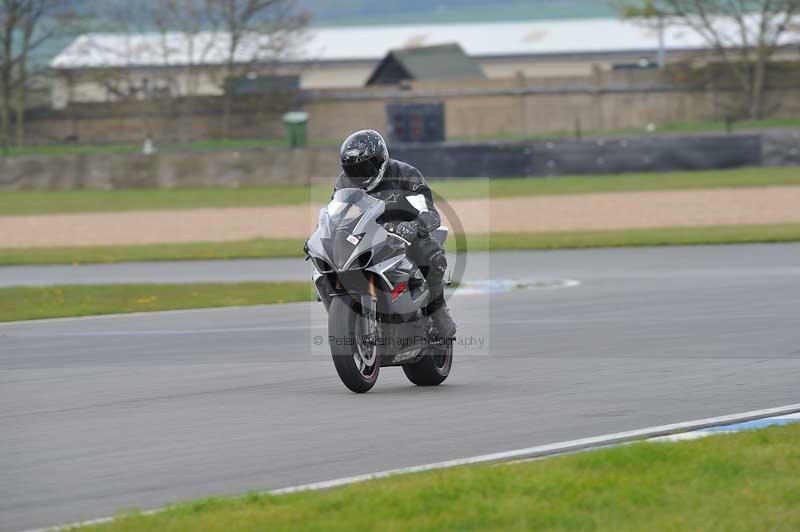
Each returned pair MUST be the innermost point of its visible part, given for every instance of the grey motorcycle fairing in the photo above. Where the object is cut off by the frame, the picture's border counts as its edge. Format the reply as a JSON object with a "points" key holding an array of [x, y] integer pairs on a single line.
{"points": [[348, 242]]}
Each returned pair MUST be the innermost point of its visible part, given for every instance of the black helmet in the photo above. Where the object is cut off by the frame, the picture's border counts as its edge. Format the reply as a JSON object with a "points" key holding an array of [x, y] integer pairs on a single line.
{"points": [[364, 157]]}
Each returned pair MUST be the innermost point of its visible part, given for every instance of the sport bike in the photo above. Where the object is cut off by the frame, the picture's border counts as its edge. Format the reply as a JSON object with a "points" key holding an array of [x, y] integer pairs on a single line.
{"points": [[375, 296]]}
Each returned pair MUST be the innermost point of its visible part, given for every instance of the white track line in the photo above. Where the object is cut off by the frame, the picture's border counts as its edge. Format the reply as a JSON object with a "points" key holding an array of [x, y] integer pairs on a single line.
{"points": [[538, 451], [555, 448]]}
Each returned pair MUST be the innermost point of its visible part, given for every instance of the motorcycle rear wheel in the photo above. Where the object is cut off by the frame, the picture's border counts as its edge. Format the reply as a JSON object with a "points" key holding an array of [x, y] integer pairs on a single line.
{"points": [[433, 368], [344, 327]]}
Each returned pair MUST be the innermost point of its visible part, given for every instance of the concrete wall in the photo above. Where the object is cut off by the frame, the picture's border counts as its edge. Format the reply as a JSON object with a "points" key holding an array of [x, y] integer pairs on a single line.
{"points": [[283, 166], [167, 170]]}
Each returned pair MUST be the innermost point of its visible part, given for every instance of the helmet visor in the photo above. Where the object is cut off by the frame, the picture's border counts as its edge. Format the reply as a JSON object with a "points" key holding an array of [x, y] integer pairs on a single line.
{"points": [[363, 170]]}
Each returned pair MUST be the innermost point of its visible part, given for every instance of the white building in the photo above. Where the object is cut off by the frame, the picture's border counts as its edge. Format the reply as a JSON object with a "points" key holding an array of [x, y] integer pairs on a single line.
{"points": [[103, 67]]}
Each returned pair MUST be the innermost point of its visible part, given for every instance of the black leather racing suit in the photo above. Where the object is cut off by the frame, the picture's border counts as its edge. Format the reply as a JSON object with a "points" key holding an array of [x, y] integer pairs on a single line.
{"points": [[408, 198]]}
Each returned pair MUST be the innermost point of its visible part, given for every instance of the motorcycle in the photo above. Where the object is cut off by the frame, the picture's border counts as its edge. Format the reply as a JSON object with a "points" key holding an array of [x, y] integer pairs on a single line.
{"points": [[375, 297]]}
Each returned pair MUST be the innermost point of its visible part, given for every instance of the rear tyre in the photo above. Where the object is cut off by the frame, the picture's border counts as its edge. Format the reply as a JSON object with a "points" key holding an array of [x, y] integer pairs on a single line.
{"points": [[433, 368], [345, 324]]}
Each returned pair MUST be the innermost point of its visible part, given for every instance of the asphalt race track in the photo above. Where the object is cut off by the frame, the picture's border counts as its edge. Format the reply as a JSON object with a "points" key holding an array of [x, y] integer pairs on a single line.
{"points": [[137, 411]]}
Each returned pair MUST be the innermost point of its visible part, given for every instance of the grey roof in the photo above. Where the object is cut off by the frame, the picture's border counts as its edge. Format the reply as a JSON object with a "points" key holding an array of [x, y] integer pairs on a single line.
{"points": [[445, 61]]}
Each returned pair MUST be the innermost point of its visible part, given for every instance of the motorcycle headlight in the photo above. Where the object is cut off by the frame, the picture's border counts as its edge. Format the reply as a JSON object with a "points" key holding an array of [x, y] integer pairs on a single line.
{"points": [[363, 260], [322, 266]]}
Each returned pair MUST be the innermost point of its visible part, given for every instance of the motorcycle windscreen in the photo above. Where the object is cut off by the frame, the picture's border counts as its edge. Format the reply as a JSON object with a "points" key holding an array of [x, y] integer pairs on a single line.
{"points": [[344, 211], [347, 205]]}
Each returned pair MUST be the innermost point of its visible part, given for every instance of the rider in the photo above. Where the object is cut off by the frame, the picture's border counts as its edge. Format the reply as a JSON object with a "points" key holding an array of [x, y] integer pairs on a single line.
{"points": [[366, 164]]}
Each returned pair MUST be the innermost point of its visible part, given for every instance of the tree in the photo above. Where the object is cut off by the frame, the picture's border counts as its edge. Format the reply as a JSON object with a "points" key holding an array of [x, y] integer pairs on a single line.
{"points": [[744, 34], [266, 28], [25, 25], [175, 36], [127, 36], [189, 21], [220, 39], [185, 27]]}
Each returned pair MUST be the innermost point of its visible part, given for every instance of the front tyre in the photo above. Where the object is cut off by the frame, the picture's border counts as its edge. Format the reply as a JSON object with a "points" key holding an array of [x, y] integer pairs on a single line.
{"points": [[351, 356], [433, 368]]}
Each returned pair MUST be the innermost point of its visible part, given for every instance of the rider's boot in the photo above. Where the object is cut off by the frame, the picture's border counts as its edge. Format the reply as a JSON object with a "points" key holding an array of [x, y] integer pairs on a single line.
{"points": [[443, 321], [444, 324]]}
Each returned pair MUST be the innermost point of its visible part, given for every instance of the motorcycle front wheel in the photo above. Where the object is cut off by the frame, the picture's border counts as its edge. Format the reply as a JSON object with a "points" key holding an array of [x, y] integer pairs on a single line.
{"points": [[356, 362]]}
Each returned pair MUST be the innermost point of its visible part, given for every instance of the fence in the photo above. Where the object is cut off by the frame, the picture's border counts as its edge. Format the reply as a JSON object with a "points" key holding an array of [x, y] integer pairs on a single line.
{"points": [[600, 156]]}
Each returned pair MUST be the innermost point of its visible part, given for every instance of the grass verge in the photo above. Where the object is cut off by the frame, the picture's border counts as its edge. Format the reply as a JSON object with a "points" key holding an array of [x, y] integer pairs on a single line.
{"points": [[269, 248], [243, 249], [553, 186], [194, 146], [671, 127], [662, 236], [29, 202], [244, 144], [31, 303], [744, 481]]}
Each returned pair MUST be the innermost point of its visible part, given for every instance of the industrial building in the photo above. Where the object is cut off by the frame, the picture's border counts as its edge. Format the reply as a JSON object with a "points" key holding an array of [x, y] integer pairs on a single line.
{"points": [[105, 67]]}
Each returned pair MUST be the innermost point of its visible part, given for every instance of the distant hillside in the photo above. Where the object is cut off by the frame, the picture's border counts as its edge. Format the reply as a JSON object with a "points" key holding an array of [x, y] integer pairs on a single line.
{"points": [[347, 12], [383, 12]]}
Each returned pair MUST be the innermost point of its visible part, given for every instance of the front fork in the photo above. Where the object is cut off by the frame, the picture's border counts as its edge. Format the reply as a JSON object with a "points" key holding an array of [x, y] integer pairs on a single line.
{"points": [[369, 340], [369, 304]]}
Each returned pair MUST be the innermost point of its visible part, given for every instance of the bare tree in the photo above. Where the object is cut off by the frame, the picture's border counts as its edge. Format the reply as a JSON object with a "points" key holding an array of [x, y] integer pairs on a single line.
{"points": [[25, 25], [188, 35], [744, 34], [258, 32], [127, 23], [156, 52], [220, 40]]}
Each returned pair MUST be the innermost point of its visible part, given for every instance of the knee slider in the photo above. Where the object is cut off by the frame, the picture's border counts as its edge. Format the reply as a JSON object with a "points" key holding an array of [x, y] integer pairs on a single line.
{"points": [[439, 262]]}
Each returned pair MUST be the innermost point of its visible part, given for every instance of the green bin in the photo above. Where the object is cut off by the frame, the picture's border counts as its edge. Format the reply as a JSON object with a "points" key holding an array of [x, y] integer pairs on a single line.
{"points": [[295, 122]]}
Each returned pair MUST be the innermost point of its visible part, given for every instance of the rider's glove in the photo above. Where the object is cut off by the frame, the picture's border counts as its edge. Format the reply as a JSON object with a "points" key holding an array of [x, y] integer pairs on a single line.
{"points": [[407, 230], [305, 247]]}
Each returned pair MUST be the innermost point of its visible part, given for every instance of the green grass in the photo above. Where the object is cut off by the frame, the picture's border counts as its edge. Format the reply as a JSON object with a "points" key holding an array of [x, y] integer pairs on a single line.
{"points": [[733, 482], [27, 202], [244, 249], [79, 149], [69, 149], [266, 248], [670, 127], [662, 236], [502, 188], [29, 303], [198, 145], [767, 123], [244, 144]]}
